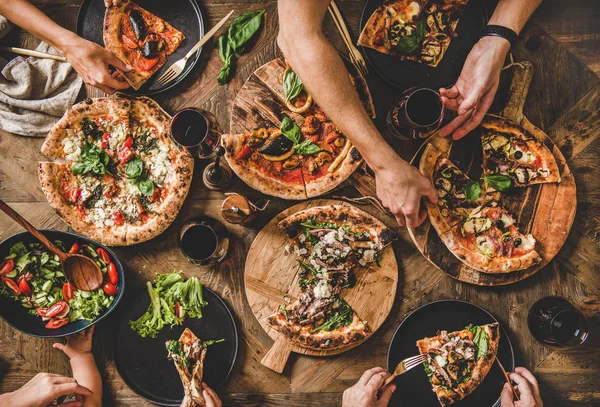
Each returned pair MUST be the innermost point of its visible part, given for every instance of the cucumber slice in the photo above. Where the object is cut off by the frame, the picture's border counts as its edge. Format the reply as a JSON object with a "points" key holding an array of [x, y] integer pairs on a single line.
{"points": [[85, 294], [60, 274], [12, 274], [49, 276], [47, 286], [51, 299]]}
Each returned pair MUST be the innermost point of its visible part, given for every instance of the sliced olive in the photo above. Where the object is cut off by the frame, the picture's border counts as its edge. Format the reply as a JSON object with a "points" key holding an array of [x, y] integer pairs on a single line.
{"points": [[518, 242], [278, 146], [137, 24], [518, 154], [500, 224], [150, 49]]}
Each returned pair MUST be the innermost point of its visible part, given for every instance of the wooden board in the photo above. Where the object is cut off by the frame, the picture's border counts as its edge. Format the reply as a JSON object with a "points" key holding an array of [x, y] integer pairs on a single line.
{"points": [[547, 210], [271, 275]]}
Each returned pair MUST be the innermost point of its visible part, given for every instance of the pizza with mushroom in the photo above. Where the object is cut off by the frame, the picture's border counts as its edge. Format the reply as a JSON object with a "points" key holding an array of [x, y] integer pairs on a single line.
{"points": [[119, 178], [457, 362], [413, 30], [140, 39]]}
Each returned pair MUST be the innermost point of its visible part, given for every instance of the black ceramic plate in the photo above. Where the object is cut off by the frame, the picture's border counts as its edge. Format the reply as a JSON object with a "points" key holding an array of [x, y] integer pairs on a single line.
{"points": [[406, 74], [413, 388], [19, 317], [143, 363], [184, 15]]}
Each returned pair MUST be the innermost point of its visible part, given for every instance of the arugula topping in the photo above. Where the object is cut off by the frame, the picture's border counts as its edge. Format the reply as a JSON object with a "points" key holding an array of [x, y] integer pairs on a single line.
{"points": [[212, 342], [292, 85], [341, 317], [480, 340], [137, 175], [93, 159], [410, 43], [231, 45], [293, 133], [283, 311]]}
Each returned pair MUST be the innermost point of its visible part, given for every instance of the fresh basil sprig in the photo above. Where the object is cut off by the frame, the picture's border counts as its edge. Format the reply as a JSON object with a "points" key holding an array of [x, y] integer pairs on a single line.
{"points": [[472, 191], [292, 85], [93, 159], [307, 148], [410, 43], [137, 175], [499, 182], [231, 45], [293, 133]]}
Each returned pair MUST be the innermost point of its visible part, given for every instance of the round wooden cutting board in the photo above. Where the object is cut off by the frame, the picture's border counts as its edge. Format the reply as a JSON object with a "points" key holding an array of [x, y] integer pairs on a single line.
{"points": [[546, 211], [271, 275]]}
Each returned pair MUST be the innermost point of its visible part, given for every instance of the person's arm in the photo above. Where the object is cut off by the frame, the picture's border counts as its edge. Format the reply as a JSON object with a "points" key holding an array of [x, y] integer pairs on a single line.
{"points": [[79, 350], [316, 62], [474, 91], [89, 59]]}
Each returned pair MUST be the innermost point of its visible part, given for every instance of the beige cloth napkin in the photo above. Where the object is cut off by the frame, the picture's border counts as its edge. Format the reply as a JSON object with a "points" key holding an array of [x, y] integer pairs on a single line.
{"points": [[35, 92]]}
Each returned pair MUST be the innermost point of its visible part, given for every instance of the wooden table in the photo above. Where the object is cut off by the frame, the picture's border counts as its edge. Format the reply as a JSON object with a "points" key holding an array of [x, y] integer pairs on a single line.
{"points": [[562, 41]]}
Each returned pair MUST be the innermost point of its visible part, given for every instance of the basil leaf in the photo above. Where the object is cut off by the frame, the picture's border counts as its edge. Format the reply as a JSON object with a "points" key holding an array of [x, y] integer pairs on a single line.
{"points": [[292, 85], [472, 191], [243, 28], [146, 187], [225, 73], [480, 340], [135, 167], [290, 130], [408, 44], [225, 51], [421, 30], [499, 182], [307, 148], [93, 159], [79, 168]]}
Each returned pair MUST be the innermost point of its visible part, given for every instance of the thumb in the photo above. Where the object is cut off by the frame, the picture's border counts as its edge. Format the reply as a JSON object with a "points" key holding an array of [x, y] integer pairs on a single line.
{"points": [[59, 346], [386, 394], [117, 63], [506, 397]]}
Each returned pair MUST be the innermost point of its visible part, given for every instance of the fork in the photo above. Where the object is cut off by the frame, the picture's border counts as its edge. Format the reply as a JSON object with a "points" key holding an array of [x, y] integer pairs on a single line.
{"points": [[357, 59], [175, 70], [404, 367]]}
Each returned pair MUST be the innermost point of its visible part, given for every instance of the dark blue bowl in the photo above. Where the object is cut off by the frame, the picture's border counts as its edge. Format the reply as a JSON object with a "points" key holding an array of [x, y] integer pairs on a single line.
{"points": [[19, 317]]}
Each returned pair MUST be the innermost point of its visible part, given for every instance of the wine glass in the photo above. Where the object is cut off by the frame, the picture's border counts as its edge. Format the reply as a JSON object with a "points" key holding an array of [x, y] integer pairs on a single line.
{"points": [[204, 241], [417, 115], [197, 130], [555, 322]]}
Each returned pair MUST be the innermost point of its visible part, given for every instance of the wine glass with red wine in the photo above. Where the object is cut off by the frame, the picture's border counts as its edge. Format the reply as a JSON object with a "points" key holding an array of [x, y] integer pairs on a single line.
{"points": [[197, 130], [417, 115], [204, 241], [555, 322]]}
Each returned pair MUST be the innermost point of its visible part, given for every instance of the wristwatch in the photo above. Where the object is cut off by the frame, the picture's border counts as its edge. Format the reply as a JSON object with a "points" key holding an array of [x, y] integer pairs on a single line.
{"points": [[500, 31]]}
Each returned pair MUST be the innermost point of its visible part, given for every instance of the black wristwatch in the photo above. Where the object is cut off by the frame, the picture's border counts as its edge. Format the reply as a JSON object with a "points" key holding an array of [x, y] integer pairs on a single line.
{"points": [[500, 31]]}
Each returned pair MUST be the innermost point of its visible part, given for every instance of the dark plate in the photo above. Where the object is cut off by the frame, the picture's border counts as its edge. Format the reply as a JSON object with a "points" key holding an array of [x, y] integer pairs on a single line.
{"points": [[19, 317], [184, 15], [450, 315], [143, 363], [406, 74]]}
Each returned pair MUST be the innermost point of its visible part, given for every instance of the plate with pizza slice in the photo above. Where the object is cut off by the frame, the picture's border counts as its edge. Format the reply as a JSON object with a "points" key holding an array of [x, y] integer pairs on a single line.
{"points": [[460, 341], [148, 35]]}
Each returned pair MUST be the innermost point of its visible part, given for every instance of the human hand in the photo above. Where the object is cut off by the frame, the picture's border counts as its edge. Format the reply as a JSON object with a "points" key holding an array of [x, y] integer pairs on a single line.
{"points": [[77, 344], [400, 187], [45, 388], [92, 61], [109, 3], [526, 386], [474, 91], [364, 392], [211, 398]]}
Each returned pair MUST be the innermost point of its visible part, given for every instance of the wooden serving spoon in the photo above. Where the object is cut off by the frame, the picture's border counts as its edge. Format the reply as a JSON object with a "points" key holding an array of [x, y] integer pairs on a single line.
{"points": [[80, 270]]}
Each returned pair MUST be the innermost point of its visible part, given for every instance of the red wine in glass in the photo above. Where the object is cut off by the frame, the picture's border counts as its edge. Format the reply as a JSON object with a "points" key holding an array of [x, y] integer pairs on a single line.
{"points": [[417, 115], [197, 130], [555, 322], [204, 241]]}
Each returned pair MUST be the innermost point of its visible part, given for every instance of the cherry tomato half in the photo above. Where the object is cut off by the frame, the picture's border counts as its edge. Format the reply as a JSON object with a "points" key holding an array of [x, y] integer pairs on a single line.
{"points": [[103, 254], [74, 249], [125, 155], [105, 138], [177, 310], [118, 218], [68, 291], [6, 266], [12, 286], [113, 276], [109, 289], [56, 323], [53, 310], [24, 287], [128, 142]]}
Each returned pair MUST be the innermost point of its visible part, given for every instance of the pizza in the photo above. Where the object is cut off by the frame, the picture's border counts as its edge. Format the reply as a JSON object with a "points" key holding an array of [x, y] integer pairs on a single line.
{"points": [[413, 30], [331, 242], [140, 39], [188, 354], [457, 362], [118, 178], [511, 150]]}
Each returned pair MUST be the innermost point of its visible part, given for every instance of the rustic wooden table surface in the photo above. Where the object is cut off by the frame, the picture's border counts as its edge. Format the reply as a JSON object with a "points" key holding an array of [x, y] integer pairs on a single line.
{"points": [[562, 41]]}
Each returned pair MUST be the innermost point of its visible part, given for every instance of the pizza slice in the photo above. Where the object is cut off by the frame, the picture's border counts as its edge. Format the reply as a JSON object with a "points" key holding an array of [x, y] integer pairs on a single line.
{"points": [[140, 39], [511, 150], [319, 320], [188, 354], [457, 362], [490, 241]]}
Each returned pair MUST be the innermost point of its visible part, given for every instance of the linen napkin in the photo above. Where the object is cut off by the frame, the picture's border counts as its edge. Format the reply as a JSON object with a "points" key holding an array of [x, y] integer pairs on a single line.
{"points": [[35, 93]]}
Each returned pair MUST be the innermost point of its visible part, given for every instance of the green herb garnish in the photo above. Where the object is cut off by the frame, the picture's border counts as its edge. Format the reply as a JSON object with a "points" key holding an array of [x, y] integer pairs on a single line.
{"points": [[499, 182], [342, 316], [472, 191], [480, 340], [292, 85], [93, 159]]}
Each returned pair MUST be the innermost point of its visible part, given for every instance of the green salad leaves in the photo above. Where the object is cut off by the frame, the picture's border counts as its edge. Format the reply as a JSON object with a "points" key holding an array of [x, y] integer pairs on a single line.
{"points": [[342, 316], [480, 340]]}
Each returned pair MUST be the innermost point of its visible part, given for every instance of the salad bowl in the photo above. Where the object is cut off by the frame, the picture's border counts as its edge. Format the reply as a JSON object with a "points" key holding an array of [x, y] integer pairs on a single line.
{"points": [[26, 319]]}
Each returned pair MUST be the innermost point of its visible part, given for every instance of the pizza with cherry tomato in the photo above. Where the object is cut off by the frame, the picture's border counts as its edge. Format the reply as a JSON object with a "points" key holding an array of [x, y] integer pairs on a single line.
{"points": [[140, 39], [118, 178]]}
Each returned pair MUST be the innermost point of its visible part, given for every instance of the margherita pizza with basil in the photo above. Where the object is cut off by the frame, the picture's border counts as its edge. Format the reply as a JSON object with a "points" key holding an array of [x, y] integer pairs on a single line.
{"points": [[119, 177], [140, 39]]}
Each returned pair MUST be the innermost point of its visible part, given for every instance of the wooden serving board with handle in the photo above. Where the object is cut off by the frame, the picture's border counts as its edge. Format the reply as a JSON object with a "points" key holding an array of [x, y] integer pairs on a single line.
{"points": [[272, 274], [546, 210]]}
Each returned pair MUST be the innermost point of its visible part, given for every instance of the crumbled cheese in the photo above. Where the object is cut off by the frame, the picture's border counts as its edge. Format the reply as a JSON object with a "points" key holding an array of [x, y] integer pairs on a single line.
{"points": [[300, 252], [301, 238], [329, 238], [441, 361], [368, 257], [322, 289]]}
